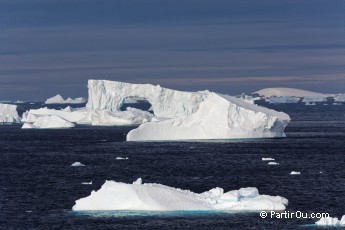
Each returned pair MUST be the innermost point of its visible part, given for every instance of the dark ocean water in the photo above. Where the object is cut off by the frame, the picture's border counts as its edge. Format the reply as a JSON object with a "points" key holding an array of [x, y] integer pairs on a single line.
{"points": [[39, 187]]}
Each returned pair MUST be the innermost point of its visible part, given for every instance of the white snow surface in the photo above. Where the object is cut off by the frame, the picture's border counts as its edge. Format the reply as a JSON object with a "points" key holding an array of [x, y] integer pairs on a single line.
{"points": [[188, 115], [9, 114], [329, 221], [290, 92], [157, 197], [58, 99]]}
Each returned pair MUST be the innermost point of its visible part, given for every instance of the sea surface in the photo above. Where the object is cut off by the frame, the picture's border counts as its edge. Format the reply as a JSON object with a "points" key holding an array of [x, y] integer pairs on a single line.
{"points": [[38, 186]]}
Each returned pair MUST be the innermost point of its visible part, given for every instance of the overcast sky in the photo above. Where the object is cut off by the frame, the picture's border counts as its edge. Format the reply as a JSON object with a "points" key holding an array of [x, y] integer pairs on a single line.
{"points": [[228, 46]]}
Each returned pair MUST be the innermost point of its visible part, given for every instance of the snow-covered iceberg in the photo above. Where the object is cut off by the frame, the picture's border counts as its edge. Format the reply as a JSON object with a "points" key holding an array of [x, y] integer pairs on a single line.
{"points": [[58, 99], [48, 122], [157, 197], [329, 221], [188, 115], [51, 118], [9, 114]]}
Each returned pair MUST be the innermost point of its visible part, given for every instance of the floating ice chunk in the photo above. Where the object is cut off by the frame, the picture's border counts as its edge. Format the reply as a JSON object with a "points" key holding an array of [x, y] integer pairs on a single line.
{"points": [[77, 164], [9, 114], [273, 163], [122, 158], [87, 183], [138, 181], [295, 173], [329, 221], [157, 197], [268, 159]]}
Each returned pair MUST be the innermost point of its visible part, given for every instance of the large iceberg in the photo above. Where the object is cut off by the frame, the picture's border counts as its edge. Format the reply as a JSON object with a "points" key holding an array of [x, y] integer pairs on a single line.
{"points": [[58, 99], [157, 197], [188, 115], [9, 114], [38, 118]]}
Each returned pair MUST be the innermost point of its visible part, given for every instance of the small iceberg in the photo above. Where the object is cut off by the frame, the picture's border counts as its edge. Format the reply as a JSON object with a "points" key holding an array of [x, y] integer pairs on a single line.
{"points": [[273, 163], [329, 221], [77, 164], [268, 159], [88, 183], [122, 158], [295, 173], [157, 197]]}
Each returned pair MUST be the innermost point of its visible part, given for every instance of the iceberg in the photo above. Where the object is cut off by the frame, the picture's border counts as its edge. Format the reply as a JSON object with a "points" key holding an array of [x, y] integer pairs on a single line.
{"points": [[282, 100], [48, 122], [329, 221], [188, 115], [339, 97], [58, 99], [313, 99], [289, 92], [157, 197], [51, 118], [9, 114]]}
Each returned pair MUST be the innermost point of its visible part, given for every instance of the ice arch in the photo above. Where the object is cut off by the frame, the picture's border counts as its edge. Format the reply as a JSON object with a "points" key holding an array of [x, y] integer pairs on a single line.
{"points": [[189, 115], [165, 102]]}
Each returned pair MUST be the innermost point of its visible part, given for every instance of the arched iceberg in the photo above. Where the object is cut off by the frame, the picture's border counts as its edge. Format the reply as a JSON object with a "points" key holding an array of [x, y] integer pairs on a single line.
{"points": [[188, 115]]}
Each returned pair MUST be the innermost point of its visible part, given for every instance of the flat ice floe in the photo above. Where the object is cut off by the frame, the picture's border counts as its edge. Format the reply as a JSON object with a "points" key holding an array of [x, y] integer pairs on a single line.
{"points": [[188, 115], [121, 158], [157, 197], [329, 221], [267, 159]]}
